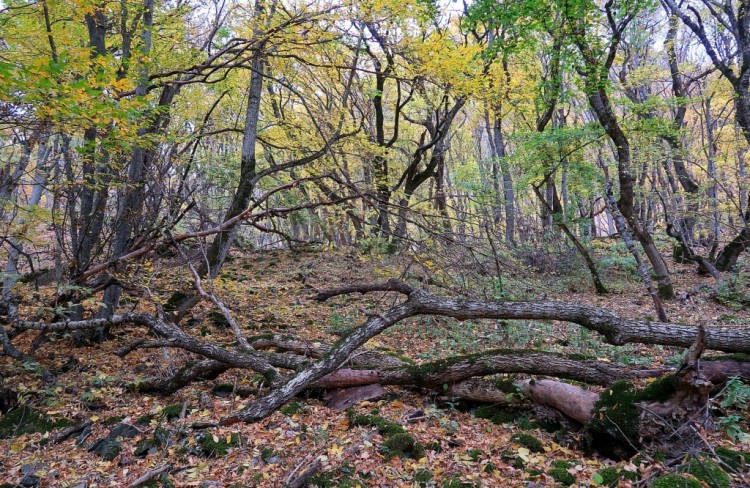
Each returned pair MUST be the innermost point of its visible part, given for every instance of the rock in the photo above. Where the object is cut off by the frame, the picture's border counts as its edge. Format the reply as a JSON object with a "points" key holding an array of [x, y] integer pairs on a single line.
{"points": [[27, 420], [161, 437], [145, 447], [414, 417], [126, 431], [29, 474], [106, 448], [84, 435]]}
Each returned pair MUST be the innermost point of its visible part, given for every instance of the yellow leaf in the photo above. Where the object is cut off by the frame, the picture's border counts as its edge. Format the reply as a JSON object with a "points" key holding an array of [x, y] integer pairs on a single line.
{"points": [[18, 447], [524, 454], [335, 450]]}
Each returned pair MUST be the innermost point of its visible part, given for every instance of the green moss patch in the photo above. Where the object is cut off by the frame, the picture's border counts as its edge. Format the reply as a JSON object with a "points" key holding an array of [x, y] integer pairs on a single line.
{"points": [[498, 415], [27, 420], [739, 461], [402, 445], [291, 408], [660, 390], [675, 481], [214, 446], [614, 427], [708, 471], [561, 475], [384, 426], [613, 474], [171, 412], [455, 482], [422, 477], [528, 441]]}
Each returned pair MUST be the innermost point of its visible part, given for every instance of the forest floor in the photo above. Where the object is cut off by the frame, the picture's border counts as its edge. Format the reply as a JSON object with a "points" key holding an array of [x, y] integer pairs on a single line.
{"points": [[271, 292]]}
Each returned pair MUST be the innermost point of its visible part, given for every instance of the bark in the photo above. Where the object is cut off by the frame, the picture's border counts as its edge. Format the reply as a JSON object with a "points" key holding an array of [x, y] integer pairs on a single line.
{"points": [[615, 329], [594, 73], [505, 361], [736, 69], [642, 270], [222, 242], [573, 401]]}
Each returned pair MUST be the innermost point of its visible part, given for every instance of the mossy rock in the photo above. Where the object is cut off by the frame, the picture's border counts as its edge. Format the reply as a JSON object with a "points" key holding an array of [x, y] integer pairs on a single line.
{"points": [[528, 441], [422, 477], [614, 428], [562, 476], [660, 390], [499, 415], [434, 446], [144, 447], [214, 446], [171, 412], [486, 412], [675, 481], [402, 445], [162, 437], [708, 471], [27, 420], [291, 408], [113, 420], [737, 460], [107, 448], [613, 474]]}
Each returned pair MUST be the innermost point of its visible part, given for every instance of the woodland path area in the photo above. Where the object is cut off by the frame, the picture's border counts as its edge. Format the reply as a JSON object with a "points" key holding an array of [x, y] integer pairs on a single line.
{"points": [[274, 292], [387, 243]]}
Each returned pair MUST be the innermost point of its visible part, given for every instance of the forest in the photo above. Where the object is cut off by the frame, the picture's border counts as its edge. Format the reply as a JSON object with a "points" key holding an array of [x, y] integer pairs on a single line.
{"points": [[354, 243]]}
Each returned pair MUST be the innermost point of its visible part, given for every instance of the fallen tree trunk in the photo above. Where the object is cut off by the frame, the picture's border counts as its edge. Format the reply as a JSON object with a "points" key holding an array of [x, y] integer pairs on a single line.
{"points": [[616, 330]]}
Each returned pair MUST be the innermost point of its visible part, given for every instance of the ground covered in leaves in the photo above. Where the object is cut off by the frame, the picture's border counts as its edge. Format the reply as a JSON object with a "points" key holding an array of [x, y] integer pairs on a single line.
{"points": [[407, 438]]}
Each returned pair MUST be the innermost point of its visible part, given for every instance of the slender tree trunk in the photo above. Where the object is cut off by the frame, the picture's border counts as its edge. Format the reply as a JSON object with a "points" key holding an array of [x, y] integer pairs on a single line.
{"points": [[600, 104], [221, 244]]}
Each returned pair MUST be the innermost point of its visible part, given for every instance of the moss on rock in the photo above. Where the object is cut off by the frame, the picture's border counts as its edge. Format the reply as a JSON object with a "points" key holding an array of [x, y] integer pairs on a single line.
{"points": [[171, 412], [422, 477], [614, 427], [291, 408], [384, 426], [660, 390], [27, 420], [528, 441], [455, 482], [498, 415], [402, 445], [561, 475]]}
